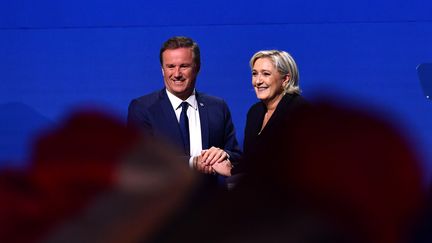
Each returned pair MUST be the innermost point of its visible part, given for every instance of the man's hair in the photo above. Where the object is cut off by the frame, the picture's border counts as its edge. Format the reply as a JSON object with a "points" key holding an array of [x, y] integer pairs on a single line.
{"points": [[182, 42]]}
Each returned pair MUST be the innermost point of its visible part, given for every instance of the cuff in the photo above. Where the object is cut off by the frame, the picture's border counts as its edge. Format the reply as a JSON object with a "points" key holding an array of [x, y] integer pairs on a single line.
{"points": [[191, 162]]}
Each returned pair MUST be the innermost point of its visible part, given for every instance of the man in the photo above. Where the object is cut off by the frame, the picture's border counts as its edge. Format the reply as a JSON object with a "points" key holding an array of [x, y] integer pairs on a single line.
{"points": [[199, 124]]}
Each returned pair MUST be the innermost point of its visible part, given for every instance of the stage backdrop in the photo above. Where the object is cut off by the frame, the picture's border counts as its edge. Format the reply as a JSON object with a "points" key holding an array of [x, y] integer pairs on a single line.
{"points": [[56, 56]]}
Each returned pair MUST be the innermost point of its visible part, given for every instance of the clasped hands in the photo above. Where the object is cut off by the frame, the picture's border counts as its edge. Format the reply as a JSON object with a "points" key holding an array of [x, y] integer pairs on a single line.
{"points": [[213, 160]]}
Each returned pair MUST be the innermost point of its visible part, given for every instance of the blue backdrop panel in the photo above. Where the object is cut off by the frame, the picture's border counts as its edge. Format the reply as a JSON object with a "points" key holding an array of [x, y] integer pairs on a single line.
{"points": [[55, 56]]}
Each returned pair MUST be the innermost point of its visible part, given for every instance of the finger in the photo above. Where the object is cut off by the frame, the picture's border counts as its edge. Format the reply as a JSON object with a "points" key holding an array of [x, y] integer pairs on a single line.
{"points": [[199, 159], [209, 160], [219, 157], [201, 167], [205, 154], [208, 156], [224, 157], [223, 168], [217, 167], [209, 169]]}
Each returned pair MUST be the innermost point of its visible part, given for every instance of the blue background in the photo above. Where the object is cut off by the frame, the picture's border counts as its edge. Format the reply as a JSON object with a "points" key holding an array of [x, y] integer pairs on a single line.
{"points": [[56, 56]]}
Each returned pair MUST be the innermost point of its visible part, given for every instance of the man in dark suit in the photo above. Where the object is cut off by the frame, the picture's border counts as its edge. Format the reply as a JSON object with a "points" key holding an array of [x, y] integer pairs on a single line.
{"points": [[197, 123]]}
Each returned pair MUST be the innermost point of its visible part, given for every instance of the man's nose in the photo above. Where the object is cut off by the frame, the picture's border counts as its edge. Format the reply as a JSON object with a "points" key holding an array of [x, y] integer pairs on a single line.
{"points": [[177, 72]]}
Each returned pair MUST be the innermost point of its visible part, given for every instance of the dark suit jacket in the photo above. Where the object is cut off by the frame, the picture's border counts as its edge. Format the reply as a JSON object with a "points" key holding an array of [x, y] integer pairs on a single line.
{"points": [[255, 118], [155, 115]]}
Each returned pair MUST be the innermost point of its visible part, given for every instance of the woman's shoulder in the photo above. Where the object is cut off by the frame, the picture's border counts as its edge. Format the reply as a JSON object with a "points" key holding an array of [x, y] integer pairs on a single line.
{"points": [[295, 99], [256, 108], [292, 102]]}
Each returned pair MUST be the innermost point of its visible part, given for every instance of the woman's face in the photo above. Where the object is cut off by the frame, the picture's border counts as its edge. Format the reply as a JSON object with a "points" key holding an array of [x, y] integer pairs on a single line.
{"points": [[267, 81]]}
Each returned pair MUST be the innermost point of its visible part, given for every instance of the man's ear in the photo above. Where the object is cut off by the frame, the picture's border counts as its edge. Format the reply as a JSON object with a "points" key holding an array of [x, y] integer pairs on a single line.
{"points": [[197, 69], [163, 74]]}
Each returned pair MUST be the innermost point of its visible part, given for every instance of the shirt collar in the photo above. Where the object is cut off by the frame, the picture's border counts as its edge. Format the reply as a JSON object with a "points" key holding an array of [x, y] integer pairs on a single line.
{"points": [[176, 101]]}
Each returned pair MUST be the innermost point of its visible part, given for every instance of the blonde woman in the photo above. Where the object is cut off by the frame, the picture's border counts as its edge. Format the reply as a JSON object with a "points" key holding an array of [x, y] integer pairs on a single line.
{"points": [[275, 79]]}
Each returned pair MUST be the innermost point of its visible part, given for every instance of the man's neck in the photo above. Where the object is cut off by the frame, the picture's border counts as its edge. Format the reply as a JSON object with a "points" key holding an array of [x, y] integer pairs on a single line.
{"points": [[182, 97]]}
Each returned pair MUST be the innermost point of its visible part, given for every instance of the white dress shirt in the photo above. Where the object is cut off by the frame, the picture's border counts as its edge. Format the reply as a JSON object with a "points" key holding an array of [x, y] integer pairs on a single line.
{"points": [[194, 121]]}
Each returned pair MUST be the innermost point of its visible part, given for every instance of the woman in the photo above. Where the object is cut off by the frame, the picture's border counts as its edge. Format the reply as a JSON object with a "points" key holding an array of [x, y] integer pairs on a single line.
{"points": [[275, 79]]}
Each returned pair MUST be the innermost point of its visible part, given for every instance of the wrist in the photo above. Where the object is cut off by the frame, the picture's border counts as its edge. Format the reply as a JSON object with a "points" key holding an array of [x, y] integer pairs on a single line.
{"points": [[194, 162]]}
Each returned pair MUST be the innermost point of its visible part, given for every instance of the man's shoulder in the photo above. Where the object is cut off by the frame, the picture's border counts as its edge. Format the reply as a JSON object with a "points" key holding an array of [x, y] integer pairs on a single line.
{"points": [[203, 97], [147, 99], [150, 96]]}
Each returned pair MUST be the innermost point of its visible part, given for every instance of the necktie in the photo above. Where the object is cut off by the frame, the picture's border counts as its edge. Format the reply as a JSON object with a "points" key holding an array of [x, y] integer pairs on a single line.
{"points": [[184, 127]]}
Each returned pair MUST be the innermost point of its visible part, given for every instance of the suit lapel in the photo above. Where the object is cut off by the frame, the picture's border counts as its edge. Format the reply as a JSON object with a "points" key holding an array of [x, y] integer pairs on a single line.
{"points": [[203, 113], [167, 118]]}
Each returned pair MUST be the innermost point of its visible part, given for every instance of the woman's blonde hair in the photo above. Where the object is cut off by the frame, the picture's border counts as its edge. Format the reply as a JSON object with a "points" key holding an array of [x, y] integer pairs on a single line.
{"points": [[285, 65]]}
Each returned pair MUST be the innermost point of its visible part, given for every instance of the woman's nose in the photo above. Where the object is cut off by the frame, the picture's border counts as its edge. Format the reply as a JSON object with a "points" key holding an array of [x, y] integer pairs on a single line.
{"points": [[258, 79]]}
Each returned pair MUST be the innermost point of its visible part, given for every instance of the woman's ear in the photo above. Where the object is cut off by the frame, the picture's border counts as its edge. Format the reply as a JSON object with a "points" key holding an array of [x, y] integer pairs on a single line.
{"points": [[286, 79]]}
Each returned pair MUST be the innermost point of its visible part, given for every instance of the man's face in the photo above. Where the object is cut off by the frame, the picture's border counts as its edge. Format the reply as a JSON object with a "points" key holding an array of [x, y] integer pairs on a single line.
{"points": [[179, 71]]}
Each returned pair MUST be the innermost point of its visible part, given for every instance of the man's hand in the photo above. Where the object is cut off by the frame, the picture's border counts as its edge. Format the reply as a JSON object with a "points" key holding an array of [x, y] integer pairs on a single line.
{"points": [[213, 155], [223, 168], [200, 166]]}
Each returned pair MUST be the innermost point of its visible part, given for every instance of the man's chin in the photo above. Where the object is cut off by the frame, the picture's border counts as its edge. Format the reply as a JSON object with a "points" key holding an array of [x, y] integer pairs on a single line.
{"points": [[183, 94]]}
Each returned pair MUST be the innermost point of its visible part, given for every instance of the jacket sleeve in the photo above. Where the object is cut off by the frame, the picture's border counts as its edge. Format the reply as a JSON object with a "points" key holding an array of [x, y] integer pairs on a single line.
{"points": [[137, 116], [231, 145]]}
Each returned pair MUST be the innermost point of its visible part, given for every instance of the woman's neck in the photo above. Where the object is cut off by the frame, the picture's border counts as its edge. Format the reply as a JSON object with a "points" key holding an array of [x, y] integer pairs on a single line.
{"points": [[272, 104], [271, 107]]}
